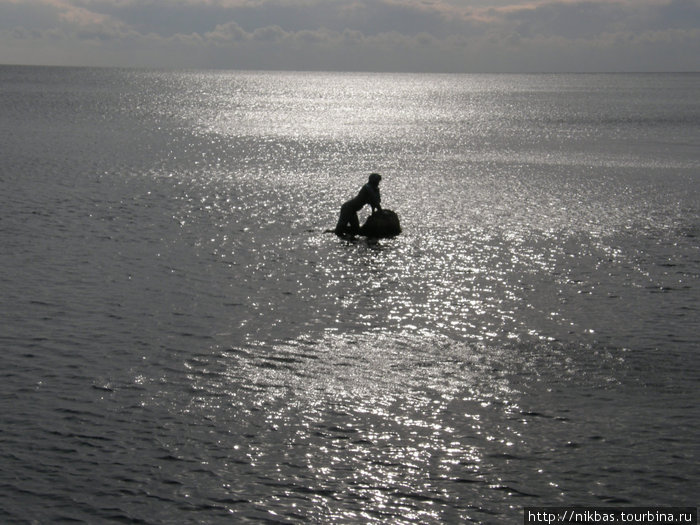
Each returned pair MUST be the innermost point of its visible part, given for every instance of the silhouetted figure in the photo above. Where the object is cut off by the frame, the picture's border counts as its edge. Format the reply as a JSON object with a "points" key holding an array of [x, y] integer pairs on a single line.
{"points": [[348, 223]]}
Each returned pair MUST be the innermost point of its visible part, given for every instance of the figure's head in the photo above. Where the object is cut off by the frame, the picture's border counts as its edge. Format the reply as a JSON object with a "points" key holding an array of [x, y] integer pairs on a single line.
{"points": [[374, 179]]}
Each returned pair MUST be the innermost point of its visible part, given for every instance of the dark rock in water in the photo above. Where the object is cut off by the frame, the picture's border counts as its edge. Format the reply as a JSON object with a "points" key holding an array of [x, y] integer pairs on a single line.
{"points": [[381, 225]]}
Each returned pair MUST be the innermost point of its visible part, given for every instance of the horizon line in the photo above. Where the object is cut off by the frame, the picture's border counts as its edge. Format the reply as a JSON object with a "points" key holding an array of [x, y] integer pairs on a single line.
{"points": [[357, 71]]}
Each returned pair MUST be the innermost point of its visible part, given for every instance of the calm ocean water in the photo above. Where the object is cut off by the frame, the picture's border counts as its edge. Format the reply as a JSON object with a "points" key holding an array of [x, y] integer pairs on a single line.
{"points": [[183, 344]]}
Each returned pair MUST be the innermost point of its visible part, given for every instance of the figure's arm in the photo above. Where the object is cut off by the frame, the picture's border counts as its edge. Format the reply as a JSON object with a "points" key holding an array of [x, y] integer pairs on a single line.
{"points": [[374, 198]]}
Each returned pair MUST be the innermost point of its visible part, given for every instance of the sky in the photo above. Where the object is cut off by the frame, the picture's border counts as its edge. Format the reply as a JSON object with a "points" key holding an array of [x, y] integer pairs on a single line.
{"points": [[450, 36]]}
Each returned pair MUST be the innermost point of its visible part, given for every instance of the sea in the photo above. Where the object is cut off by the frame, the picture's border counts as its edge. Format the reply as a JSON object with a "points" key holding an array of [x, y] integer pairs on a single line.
{"points": [[182, 341]]}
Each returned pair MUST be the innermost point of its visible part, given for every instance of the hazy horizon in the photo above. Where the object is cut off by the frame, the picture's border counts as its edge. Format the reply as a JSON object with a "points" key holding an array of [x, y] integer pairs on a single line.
{"points": [[353, 71]]}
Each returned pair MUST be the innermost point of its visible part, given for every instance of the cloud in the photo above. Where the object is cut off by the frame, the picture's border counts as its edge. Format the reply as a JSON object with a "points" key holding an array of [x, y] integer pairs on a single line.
{"points": [[679, 14], [571, 21], [412, 35], [29, 15]]}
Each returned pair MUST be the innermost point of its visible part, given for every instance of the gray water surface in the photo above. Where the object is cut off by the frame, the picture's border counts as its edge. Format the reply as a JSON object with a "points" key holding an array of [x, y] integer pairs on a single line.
{"points": [[184, 344]]}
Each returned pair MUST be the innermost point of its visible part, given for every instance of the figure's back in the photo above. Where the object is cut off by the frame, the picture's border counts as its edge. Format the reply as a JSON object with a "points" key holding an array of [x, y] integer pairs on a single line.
{"points": [[367, 195]]}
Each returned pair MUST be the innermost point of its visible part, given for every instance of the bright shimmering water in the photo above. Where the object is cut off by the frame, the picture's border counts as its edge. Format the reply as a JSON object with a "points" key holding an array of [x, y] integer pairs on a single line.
{"points": [[182, 343]]}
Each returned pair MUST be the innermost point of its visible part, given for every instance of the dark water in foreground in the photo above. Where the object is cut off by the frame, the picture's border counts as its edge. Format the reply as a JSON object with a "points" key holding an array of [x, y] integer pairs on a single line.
{"points": [[182, 343]]}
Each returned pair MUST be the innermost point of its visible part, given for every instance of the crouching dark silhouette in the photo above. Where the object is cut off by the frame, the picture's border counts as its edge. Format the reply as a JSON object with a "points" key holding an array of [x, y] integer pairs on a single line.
{"points": [[348, 222], [381, 225]]}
